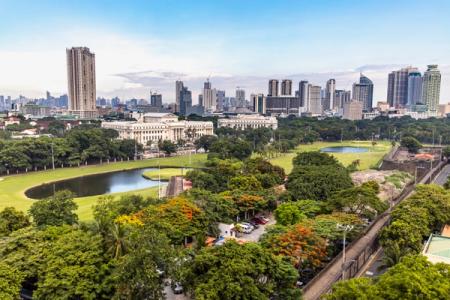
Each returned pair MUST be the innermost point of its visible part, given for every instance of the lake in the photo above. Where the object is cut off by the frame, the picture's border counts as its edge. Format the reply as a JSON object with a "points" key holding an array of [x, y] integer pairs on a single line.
{"points": [[344, 149], [97, 184]]}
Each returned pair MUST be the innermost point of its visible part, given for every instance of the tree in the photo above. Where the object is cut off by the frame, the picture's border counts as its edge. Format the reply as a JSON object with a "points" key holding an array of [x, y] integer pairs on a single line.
{"points": [[317, 182], [412, 144], [314, 158], [56, 210], [354, 289], [10, 282], [244, 183], [73, 268], [205, 142], [167, 146], [234, 271], [226, 148], [289, 213], [12, 220]]}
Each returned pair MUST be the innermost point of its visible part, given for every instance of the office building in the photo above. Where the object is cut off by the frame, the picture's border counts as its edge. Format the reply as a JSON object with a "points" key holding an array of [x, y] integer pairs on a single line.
{"points": [[353, 110], [314, 100], [431, 88], [220, 99], [258, 103], [415, 83], [248, 121], [185, 101], [283, 105], [240, 97], [329, 99], [178, 87], [81, 82], [159, 126], [341, 97], [397, 94], [303, 92], [286, 87], [209, 97], [273, 88], [156, 100], [363, 91]]}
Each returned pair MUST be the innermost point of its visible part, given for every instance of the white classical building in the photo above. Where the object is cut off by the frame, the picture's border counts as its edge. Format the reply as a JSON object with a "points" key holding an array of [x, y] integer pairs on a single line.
{"points": [[159, 126], [248, 121]]}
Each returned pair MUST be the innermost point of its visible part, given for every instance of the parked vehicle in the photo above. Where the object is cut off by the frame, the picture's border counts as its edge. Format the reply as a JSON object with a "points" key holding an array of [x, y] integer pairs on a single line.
{"points": [[260, 220], [254, 224], [177, 288], [245, 228], [249, 225]]}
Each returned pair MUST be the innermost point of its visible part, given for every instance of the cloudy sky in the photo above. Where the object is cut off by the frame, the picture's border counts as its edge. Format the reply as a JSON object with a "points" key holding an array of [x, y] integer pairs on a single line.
{"points": [[147, 45]]}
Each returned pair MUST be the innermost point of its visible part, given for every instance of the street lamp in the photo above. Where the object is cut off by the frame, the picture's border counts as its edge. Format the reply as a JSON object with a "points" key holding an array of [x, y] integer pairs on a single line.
{"points": [[345, 228]]}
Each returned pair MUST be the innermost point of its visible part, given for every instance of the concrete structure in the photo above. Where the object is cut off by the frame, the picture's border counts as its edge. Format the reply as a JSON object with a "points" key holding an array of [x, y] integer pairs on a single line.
{"points": [[248, 121], [156, 100], [159, 126], [431, 88], [240, 97], [341, 97], [444, 110], [273, 88], [437, 249], [329, 100], [282, 105], [382, 106], [353, 110], [220, 100], [178, 87], [303, 88], [415, 83], [209, 97], [185, 101], [81, 82], [363, 91], [286, 87], [314, 101]]}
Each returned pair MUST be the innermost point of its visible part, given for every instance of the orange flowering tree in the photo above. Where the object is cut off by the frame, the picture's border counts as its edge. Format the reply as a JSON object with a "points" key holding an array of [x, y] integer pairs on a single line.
{"points": [[246, 202]]}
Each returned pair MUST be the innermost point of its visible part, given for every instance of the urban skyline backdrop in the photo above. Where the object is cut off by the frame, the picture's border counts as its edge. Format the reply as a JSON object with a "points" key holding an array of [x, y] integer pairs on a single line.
{"points": [[143, 46]]}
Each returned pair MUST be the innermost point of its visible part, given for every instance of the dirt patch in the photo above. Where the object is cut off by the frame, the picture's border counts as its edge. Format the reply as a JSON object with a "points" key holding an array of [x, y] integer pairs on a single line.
{"points": [[391, 182]]}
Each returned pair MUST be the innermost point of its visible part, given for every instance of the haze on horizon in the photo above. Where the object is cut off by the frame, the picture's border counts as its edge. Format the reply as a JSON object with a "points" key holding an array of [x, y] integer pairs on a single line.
{"points": [[147, 45]]}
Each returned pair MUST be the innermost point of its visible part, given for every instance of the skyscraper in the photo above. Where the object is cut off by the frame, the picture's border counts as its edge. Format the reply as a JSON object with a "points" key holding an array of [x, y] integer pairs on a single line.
{"points": [[240, 97], [415, 83], [259, 103], [220, 96], [341, 97], [314, 100], [178, 87], [398, 87], [286, 87], [156, 100], [363, 91], [303, 93], [185, 101], [431, 88], [81, 82], [273, 88], [209, 97], [330, 88]]}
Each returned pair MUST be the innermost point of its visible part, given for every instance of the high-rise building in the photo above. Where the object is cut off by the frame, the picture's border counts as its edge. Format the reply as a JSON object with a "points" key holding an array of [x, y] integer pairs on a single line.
{"points": [[115, 102], [397, 94], [286, 87], [341, 97], [303, 93], [156, 100], [259, 103], [363, 91], [178, 87], [240, 97], [273, 88], [329, 100], [209, 97], [314, 100], [431, 88], [185, 101], [353, 110], [81, 82], [415, 83], [220, 102]]}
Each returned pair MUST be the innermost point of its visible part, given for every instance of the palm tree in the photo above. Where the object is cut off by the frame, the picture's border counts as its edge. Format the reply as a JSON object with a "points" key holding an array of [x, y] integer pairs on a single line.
{"points": [[117, 240]]}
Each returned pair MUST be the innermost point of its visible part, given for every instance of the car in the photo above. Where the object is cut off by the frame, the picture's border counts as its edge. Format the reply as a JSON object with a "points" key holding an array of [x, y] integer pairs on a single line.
{"points": [[245, 228], [260, 220], [249, 225], [254, 224], [177, 288]]}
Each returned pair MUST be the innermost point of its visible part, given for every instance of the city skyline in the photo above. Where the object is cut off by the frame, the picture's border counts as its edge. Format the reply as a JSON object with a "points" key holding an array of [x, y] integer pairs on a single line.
{"points": [[139, 47]]}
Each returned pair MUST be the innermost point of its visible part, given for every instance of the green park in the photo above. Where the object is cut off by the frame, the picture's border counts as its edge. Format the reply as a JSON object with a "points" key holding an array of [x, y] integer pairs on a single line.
{"points": [[13, 187]]}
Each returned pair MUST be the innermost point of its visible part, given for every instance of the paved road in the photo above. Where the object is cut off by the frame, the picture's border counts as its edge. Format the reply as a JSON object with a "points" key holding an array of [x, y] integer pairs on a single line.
{"points": [[442, 177]]}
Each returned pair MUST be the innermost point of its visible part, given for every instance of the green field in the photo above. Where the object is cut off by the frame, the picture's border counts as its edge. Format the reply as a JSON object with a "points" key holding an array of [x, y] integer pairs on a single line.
{"points": [[165, 173], [368, 159], [12, 188]]}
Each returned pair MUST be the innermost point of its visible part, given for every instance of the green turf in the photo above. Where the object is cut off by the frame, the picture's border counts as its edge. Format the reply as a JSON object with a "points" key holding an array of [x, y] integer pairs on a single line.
{"points": [[12, 188], [165, 173], [368, 159]]}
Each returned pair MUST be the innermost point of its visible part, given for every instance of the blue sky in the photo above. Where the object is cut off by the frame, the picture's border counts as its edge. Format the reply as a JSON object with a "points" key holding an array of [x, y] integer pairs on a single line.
{"points": [[143, 45]]}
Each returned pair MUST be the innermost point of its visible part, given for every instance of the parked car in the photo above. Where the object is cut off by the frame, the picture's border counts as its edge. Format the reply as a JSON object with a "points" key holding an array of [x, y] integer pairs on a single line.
{"points": [[249, 224], [260, 220], [254, 224], [244, 228]]}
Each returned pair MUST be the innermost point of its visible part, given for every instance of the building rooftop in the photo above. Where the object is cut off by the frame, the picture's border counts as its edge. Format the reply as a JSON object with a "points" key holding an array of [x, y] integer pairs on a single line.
{"points": [[437, 249]]}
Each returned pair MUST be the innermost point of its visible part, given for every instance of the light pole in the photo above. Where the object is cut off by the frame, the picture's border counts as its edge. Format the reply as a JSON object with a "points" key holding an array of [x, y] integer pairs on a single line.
{"points": [[345, 228]]}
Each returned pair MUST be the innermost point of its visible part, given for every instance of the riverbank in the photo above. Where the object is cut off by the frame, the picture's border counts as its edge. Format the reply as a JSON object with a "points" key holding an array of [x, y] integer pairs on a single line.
{"points": [[165, 173], [13, 187]]}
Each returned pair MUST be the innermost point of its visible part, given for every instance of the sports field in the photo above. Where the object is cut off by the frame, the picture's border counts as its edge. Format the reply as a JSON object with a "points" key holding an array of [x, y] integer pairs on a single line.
{"points": [[12, 188], [369, 159]]}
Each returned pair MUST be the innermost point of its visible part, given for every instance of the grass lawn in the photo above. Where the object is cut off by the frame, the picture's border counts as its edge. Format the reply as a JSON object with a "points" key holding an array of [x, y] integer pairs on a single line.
{"points": [[368, 159], [12, 188], [166, 173]]}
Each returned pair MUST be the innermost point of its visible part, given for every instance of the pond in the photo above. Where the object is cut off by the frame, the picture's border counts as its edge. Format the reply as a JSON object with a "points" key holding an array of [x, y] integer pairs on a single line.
{"points": [[344, 149], [97, 184]]}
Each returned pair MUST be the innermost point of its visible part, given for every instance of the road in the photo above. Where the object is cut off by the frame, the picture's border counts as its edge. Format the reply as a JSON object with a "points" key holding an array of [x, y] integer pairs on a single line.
{"points": [[442, 177]]}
